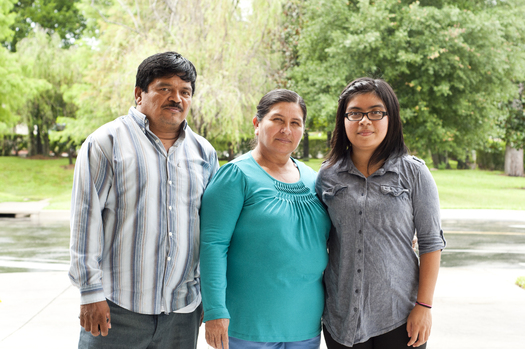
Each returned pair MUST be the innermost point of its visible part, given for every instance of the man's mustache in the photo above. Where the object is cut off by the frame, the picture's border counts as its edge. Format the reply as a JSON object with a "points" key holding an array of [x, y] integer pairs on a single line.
{"points": [[174, 105]]}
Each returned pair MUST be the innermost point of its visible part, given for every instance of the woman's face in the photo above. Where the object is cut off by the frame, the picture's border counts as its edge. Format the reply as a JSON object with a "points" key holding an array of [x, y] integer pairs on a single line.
{"points": [[366, 135], [280, 131]]}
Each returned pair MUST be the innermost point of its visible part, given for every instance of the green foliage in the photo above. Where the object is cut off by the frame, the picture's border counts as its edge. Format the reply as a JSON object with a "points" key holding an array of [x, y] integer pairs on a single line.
{"points": [[449, 66], [491, 156], [42, 57], [227, 46], [56, 16], [16, 88], [512, 120], [6, 18], [520, 281]]}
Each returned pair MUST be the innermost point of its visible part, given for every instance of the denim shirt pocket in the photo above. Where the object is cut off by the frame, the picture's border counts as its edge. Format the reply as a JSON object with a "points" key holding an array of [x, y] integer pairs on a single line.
{"points": [[332, 192], [394, 191], [334, 200]]}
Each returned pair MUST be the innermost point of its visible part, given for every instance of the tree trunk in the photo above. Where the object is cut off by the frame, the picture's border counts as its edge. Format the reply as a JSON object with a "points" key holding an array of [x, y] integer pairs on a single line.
{"points": [[306, 147], [513, 162], [440, 160], [329, 139]]}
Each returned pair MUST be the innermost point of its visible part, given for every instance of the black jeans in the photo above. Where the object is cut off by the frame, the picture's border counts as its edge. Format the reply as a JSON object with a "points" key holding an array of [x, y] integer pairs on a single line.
{"points": [[395, 339]]}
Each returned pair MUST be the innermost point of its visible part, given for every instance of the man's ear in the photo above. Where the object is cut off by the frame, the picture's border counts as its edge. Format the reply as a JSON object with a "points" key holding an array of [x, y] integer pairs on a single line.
{"points": [[138, 95]]}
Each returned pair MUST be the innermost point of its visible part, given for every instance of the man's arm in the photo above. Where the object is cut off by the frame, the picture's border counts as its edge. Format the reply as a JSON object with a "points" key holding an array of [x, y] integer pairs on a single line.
{"points": [[92, 181]]}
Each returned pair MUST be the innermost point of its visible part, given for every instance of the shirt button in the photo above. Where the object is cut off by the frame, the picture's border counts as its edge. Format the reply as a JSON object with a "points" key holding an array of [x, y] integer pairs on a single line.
{"points": [[356, 291], [169, 182], [360, 232], [157, 141], [178, 165], [358, 251], [358, 270], [355, 309], [169, 258], [360, 212], [362, 194], [170, 233], [169, 208]]}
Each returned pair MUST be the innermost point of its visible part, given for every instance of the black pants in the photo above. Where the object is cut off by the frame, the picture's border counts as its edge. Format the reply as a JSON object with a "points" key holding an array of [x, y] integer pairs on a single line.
{"points": [[395, 339]]}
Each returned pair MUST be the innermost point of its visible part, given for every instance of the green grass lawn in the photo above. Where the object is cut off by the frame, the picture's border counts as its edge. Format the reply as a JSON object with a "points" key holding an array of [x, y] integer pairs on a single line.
{"points": [[33, 180], [27, 179]]}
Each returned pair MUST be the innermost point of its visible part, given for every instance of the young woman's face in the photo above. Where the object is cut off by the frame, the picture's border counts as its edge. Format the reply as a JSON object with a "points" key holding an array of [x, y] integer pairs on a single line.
{"points": [[280, 130], [366, 135]]}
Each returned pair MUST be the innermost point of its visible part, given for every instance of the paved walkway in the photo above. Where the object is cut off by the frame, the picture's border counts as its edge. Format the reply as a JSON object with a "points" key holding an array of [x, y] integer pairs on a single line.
{"points": [[473, 307]]}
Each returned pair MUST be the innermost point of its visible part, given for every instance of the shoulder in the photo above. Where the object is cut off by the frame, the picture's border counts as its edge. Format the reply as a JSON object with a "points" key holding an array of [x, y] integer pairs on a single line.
{"points": [[201, 143], [305, 169], [106, 135], [410, 164]]}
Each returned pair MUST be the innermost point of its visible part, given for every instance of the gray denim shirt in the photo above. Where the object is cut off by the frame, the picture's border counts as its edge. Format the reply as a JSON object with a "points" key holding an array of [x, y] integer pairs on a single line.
{"points": [[373, 273]]}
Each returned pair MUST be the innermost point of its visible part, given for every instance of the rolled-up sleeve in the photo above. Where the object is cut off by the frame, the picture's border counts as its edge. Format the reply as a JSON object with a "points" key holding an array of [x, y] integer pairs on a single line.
{"points": [[91, 184], [427, 218]]}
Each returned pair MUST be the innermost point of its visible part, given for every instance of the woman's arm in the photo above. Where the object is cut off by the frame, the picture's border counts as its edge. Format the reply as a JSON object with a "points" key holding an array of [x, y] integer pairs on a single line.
{"points": [[419, 321], [222, 204], [427, 221]]}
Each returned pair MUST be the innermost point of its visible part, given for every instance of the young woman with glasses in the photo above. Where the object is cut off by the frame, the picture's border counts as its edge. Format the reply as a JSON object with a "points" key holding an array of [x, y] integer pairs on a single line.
{"points": [[378, 292]]}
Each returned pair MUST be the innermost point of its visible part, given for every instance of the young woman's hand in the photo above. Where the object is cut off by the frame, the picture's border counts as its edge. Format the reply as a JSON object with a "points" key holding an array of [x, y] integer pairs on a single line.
{"points": [[419, 324]]}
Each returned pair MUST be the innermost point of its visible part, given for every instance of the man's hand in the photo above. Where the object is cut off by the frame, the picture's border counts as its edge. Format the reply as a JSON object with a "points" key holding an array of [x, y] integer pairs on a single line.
{"points": [[217, 333], [419, 324], [95, 318]]}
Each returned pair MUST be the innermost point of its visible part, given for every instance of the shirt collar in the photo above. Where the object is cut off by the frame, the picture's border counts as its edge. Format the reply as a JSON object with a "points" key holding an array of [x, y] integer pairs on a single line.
{"points": [[391, 165], [143, 122]]}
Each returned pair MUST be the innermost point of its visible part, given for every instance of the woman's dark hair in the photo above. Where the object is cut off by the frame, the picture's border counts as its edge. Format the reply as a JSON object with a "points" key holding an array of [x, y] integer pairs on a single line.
{"points": [[277, 96], [166, 64], [392, 145]]}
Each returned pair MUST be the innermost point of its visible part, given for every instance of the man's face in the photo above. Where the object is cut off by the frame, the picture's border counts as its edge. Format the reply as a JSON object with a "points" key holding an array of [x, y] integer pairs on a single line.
{"points": [[167, 102]]}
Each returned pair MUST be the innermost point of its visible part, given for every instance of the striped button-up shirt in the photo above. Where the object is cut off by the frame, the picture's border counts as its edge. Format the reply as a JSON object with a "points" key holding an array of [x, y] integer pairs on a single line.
{"points": [[135, 216]]}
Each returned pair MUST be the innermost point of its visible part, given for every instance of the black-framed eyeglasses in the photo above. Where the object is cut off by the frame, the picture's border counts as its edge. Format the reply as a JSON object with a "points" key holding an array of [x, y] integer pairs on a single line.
{"points": [[371, 115]]}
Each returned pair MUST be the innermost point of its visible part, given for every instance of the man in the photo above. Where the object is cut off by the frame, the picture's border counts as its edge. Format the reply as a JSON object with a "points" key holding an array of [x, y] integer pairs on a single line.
{"points": [[135, 217]]}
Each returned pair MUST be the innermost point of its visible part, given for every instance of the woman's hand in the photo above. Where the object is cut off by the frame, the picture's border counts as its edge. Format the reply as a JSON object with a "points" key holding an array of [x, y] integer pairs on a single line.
{"points": [[217, 333], [419, 324]]}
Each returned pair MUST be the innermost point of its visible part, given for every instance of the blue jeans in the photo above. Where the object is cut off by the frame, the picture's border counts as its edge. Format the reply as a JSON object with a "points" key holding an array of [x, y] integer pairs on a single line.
{"points": [[313, 343], [140, 331]]}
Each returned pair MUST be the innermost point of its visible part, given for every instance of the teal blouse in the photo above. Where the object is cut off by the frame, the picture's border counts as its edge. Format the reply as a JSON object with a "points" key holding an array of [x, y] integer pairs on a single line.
{"points": [[263, 253]]}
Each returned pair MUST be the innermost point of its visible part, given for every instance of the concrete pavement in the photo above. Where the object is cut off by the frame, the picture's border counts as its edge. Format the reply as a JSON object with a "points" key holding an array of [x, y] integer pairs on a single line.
{"points": [[474, 307]]}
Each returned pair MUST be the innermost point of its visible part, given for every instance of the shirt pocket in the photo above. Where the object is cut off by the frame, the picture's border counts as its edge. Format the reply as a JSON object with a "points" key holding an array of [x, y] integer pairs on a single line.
{"points": [[397, 192], [331, 193], [335, 201]]}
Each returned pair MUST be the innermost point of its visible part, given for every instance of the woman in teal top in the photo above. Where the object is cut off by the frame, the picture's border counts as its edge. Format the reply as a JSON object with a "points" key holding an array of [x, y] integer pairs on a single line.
{"points": [[263, 239]]}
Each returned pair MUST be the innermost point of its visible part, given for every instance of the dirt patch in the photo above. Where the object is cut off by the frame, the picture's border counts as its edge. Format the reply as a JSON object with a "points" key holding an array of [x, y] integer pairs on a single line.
{"points": [[68, 167]]}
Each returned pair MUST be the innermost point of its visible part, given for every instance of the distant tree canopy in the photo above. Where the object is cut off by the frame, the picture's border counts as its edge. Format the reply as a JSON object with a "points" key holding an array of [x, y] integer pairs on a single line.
{"points": [[229, 47], [451, 67], [456, 65], [55, 16]]}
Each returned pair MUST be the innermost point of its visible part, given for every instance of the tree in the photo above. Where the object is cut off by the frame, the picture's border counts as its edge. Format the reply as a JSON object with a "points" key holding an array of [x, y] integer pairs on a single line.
{"points": [[16, 88], [227, 45], [450, 67], [42, 57], [55, 16], [514, 134]]}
